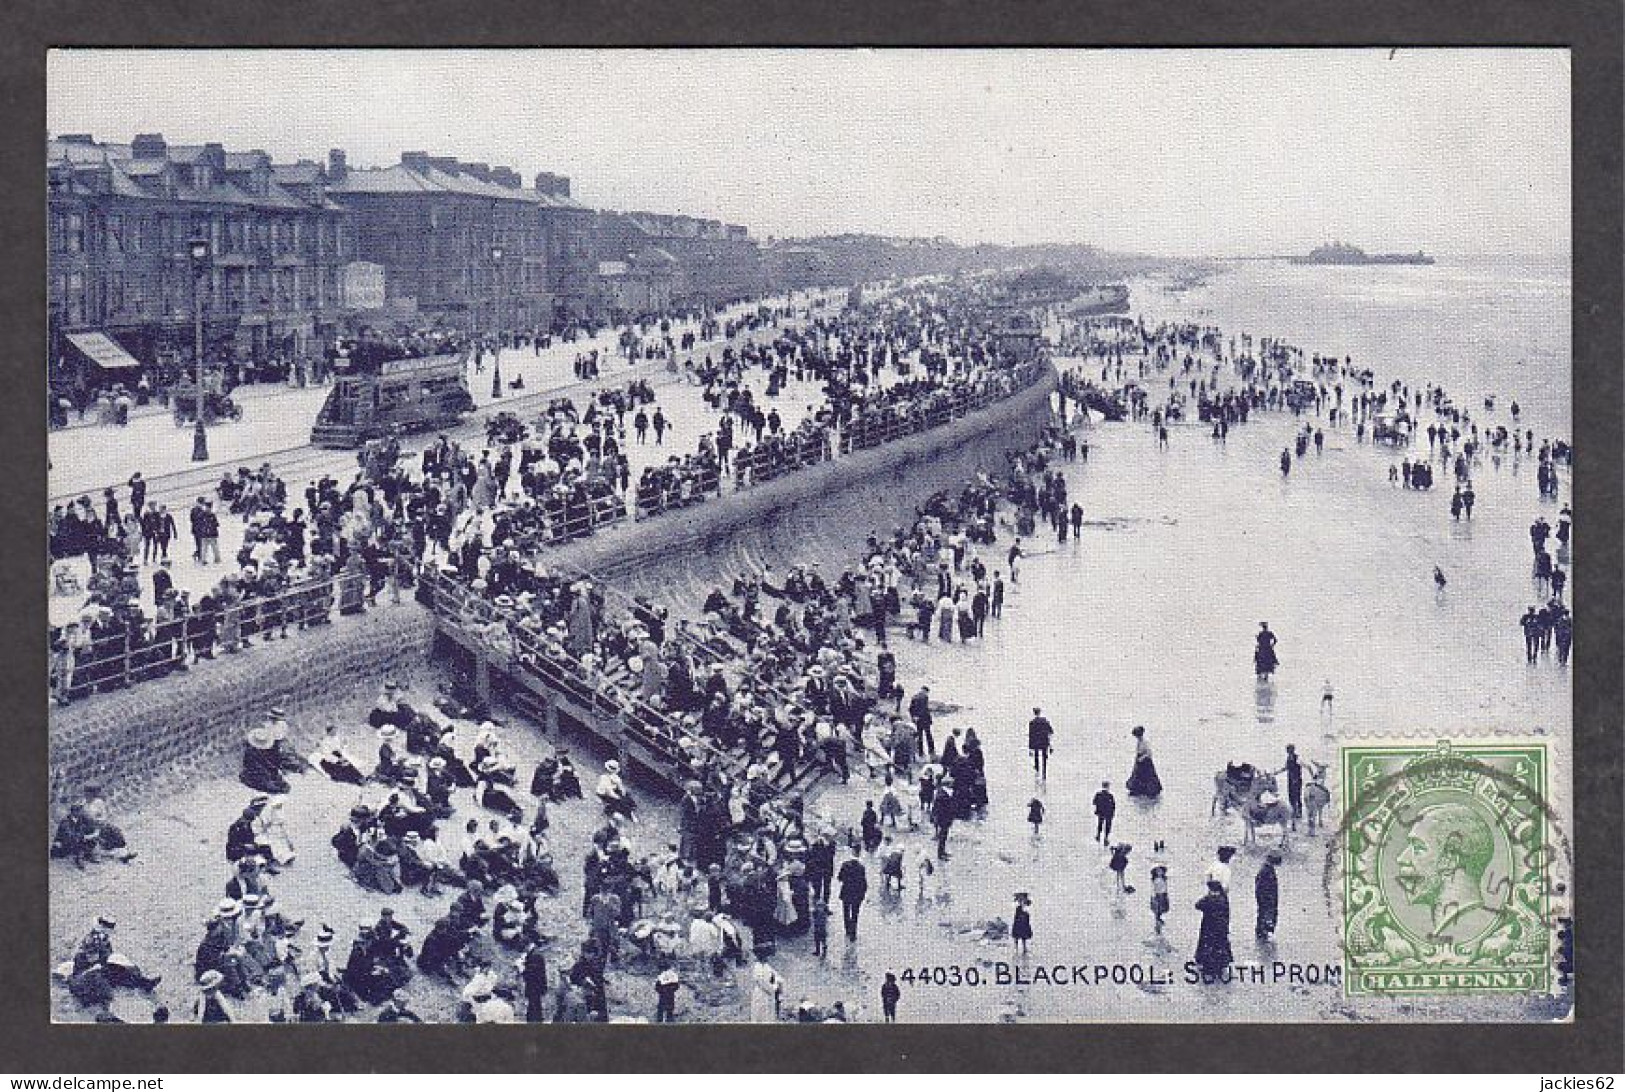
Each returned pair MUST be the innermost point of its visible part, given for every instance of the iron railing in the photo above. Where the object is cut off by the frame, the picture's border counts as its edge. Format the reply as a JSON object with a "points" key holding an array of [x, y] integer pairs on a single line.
{"points": [[601, 695], [159, 648]]}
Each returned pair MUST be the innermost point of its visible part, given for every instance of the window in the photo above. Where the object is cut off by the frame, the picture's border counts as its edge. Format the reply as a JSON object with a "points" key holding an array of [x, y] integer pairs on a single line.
{"points": [[76, 233], [74, 297]]}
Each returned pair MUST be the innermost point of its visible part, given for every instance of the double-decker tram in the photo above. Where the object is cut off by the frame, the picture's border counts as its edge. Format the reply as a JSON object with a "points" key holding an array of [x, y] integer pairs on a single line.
{"points": [[379, 391]]}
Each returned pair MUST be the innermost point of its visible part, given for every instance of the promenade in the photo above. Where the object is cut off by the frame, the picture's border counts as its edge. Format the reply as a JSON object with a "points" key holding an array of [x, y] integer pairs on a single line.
{"points": [[276, 429]]}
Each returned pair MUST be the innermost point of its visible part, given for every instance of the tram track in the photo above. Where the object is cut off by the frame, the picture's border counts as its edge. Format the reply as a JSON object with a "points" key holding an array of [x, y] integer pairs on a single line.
{"points": [[304, 463]]}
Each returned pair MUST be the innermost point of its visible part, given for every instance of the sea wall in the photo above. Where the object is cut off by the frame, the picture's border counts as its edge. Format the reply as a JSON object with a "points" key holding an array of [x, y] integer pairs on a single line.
{"points": [[135, 742], [820, 515]]}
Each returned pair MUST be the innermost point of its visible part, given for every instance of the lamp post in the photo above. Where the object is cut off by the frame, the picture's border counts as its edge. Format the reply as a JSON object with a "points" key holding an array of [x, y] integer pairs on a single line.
{"points": [[198, 250], [496, 353]]}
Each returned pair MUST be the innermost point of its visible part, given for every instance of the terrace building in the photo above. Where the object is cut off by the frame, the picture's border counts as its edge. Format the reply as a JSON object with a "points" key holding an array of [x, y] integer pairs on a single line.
{"points": [[464, 243], [122, 288]]}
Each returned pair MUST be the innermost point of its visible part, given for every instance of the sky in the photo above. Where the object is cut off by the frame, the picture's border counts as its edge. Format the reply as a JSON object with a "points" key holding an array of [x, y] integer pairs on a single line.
{"points": [[1176, 152]]}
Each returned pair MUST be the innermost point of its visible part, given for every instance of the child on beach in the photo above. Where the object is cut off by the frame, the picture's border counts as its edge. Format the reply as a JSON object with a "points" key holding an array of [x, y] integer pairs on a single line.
{"points": [[1021, 926], [891, 866], [1035, 814], [1159, 893], [891, 807], [1119, 865], [925, 869]]}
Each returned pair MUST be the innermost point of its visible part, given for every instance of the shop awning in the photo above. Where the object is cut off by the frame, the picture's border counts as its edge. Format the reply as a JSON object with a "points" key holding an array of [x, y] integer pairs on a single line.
{"points": [[103, 350]]}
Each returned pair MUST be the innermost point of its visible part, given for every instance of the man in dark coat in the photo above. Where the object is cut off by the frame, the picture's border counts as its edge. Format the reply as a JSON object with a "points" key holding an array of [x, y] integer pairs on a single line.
{"points": [[1267, 893], [241, 840], [919, 709], [1039, 733], [163, 582], [533, 970], [1105, 809], [1294, 782], [821, 867], [854, 881], [944, 808]]}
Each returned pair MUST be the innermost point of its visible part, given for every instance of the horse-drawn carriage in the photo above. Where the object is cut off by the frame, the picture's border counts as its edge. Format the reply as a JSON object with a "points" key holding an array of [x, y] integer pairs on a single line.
{"points": [[1391, 428], [216, 405], [1302, 394]]}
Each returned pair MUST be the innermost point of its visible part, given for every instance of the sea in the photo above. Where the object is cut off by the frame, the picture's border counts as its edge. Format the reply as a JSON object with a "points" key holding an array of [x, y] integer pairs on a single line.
{"points": [[1479, 326]]}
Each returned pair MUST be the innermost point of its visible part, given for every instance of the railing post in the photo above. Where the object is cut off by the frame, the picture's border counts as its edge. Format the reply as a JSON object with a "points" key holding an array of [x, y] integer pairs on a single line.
{"points": [[482, 677]]}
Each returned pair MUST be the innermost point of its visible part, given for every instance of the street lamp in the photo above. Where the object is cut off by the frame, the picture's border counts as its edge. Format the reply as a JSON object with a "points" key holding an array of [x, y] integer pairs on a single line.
{"points": [[496, 368], [198, 250]]}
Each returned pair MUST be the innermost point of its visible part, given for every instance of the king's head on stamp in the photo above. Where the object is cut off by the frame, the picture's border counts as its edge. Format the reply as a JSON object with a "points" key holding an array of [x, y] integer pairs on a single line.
{"points": [[1447, 851]]}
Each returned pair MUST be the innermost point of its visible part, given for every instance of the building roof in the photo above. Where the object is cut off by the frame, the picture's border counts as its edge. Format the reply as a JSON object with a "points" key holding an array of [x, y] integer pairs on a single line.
{"points": [[128, 174], [304, 173], [399, 179]]}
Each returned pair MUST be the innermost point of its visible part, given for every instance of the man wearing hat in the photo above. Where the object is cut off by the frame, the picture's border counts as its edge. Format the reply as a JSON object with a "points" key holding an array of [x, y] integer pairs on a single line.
{"points": [[391, 755], [1267, 895], [210, 1007], [95, 958], [612, 792], [919, 710], [215, 953], [334, 991], [854, 883], [309, 1006], [389, 708], [249, 878], [331, 758]]}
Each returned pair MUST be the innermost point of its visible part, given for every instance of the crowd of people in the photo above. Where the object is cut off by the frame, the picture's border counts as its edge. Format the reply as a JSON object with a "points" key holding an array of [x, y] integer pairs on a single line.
{"points": [[564, 477], [786, 679], [1124, 359]]}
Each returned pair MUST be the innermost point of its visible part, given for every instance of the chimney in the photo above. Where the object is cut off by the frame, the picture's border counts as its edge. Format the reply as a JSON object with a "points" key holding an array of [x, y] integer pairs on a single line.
{"points": [[215, 155], [556, 184], [507, 178], [446, 163], [337, 168], [76, 138], [481, 171], [415, 161], [149, 146]]}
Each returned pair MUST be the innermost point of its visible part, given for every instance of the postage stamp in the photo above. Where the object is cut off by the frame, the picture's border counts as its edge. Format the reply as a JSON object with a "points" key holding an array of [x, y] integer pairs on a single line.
{"points": [[1446, 868]]}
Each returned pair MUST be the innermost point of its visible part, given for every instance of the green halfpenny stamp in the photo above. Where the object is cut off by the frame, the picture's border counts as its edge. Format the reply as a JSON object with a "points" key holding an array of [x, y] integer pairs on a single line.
{"points": [[1445, 868]]}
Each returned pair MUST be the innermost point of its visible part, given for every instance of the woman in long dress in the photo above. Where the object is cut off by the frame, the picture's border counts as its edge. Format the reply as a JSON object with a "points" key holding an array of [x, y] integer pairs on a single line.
{"points": [[967, 620], [1213, 953], [1143, 780]]}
